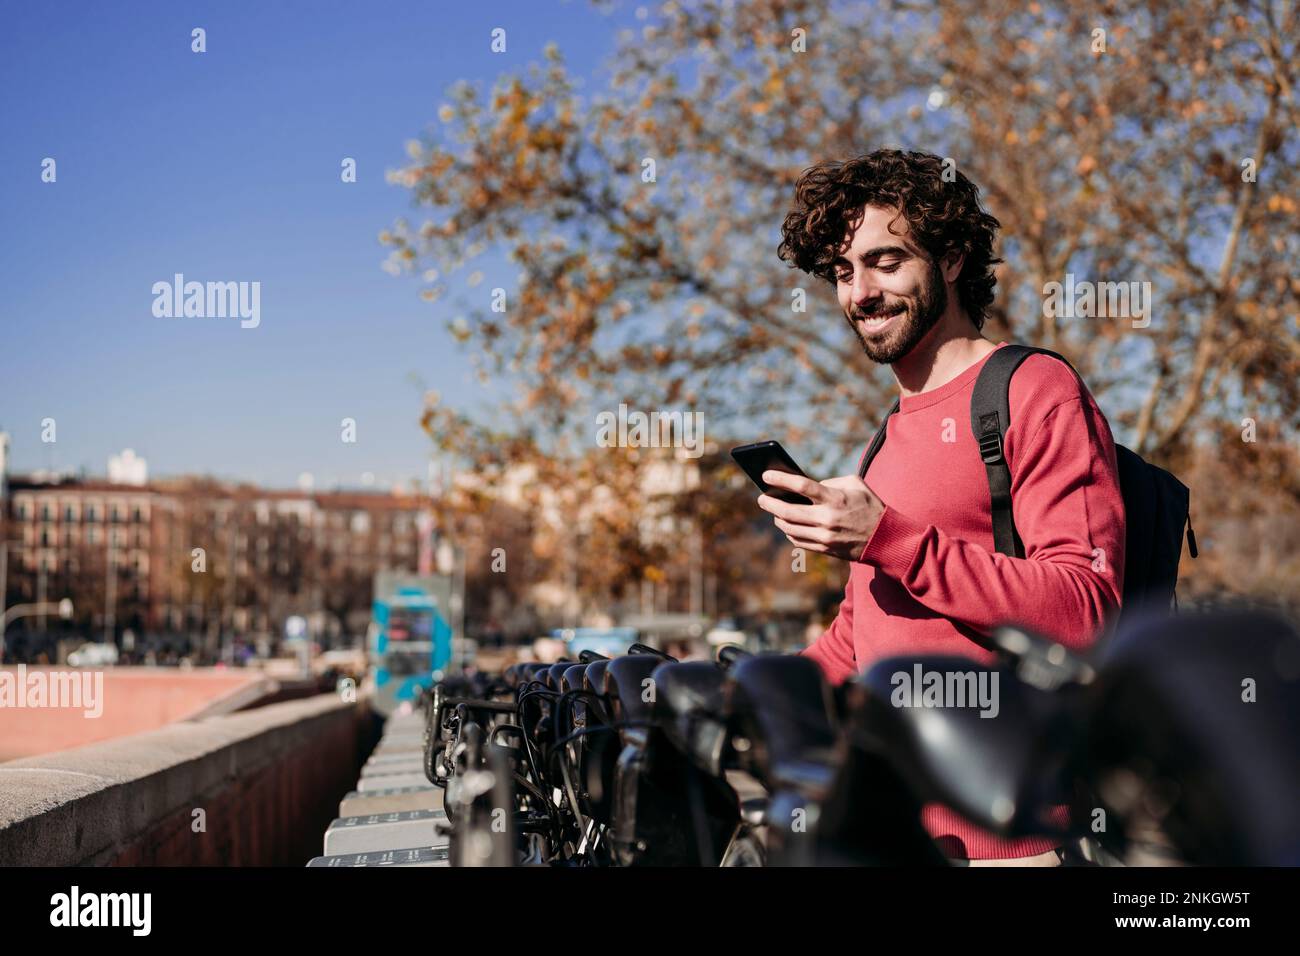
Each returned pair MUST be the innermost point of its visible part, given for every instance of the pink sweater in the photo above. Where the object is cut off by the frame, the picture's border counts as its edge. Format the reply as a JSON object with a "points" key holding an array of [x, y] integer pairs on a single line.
{"points": [[929, 580]]}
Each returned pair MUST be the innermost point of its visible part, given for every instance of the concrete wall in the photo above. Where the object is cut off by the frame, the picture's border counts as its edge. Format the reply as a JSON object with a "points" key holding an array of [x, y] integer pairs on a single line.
{"points": [[268, 782]]}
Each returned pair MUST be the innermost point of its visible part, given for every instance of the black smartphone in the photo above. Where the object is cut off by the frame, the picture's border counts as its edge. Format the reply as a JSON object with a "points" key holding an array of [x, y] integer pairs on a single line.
{"points": [[764, 456]]}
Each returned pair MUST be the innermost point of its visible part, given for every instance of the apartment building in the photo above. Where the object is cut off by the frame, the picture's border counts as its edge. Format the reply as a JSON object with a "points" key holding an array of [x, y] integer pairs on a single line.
{"points": [[201, 557]]}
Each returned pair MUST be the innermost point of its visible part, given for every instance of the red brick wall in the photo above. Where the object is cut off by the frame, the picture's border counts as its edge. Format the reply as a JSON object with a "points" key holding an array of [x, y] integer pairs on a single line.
{"points": [[275, 815]]}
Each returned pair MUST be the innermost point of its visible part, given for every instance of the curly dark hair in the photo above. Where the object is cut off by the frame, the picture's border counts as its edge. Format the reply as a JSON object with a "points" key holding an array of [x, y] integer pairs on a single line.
{"points": [[943, 217]]}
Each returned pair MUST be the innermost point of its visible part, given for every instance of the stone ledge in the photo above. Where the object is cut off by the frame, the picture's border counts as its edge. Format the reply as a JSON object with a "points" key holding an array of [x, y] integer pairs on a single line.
{"points": [[89, 804]]}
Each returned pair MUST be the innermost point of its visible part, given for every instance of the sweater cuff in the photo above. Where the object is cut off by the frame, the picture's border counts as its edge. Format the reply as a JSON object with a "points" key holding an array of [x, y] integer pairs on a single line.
{"points": [[893, 544]]}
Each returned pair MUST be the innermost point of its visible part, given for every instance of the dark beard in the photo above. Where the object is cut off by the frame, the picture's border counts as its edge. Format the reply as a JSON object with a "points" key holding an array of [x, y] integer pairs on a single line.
{"points": [[916, 322]]}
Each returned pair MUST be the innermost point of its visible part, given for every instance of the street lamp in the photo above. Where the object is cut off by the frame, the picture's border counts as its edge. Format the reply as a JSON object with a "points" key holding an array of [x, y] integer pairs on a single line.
{"points": [[62, 608]]}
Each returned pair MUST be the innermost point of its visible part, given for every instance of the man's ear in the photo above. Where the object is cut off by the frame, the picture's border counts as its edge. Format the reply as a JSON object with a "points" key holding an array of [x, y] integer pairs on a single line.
{"points": [[952, 264]]}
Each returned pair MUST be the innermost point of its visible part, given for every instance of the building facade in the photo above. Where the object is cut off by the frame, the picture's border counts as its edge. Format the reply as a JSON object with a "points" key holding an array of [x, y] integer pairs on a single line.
{"points": [[211, 561]]}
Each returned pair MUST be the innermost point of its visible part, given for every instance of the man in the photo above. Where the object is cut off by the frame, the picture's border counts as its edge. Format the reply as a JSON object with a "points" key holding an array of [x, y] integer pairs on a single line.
{"points": [[910, 257]]}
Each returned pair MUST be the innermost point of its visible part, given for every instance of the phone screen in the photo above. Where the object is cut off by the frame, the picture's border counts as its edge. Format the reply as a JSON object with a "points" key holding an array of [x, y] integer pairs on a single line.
{"points": [[769, 456]]}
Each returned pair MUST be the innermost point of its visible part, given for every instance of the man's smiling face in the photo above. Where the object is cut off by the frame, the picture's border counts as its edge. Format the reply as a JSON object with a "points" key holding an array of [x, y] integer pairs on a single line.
{"points": [[891, 292]]}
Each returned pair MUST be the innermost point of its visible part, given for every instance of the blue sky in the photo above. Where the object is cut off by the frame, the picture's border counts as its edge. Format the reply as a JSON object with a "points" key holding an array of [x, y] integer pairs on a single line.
{"points": [[225, 166]]}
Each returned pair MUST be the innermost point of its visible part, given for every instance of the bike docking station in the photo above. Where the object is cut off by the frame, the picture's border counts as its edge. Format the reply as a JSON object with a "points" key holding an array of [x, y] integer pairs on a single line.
{"points": [[394, 800], [384, 831], [752, 760], [389, 781], [392, 817], [421, 856]]}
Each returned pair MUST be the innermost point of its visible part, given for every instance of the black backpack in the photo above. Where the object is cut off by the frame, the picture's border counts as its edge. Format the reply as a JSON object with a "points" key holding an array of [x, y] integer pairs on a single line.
{"points": [[1156, 504]]}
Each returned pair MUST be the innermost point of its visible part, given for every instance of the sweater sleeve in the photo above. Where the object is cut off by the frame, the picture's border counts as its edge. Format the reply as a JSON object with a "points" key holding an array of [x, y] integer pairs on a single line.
{"points": [[1069, 512], [833, 651]]}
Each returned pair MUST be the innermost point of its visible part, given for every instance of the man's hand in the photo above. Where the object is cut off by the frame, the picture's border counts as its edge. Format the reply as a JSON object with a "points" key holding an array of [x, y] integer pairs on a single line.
{"points": [[839, 522]]}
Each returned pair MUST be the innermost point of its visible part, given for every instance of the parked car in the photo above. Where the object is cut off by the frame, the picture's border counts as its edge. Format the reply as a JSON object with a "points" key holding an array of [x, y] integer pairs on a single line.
{"points": [[93, 655]]}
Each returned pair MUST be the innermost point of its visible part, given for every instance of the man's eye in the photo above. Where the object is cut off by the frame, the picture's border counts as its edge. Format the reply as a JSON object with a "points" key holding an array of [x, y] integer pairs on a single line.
{"points": [[846, 274]]}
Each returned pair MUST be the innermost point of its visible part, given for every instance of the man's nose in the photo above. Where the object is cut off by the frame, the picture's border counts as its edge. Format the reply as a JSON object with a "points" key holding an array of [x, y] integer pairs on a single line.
{"points": [[865, 292]]}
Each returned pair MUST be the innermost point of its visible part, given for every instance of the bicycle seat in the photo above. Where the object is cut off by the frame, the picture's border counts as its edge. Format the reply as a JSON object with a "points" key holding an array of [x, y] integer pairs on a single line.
{"points": [[624, 684], [593, 681], [780, 705], [688, 705], [1204, 708], [599, 750], [551, 676], [647, 649], [972, 737], [593, 678], [577, 707], [728, 654], [571, 679], [531, 671]]}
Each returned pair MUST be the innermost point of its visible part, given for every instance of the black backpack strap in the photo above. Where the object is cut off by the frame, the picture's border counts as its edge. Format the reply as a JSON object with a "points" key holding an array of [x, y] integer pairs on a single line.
{"points": [[876, 442], [990, 416]]}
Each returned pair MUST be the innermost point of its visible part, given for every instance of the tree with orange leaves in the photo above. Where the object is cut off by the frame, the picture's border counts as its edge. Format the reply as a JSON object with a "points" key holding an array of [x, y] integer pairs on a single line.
{"points": [[1128, 143]]}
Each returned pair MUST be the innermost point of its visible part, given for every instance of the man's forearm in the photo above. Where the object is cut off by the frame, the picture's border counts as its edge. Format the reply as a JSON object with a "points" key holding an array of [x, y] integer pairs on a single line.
{"points": [[1058, 593]]}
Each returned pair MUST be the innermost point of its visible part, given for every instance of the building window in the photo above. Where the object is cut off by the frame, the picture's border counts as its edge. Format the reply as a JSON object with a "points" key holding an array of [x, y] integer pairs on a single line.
{"points": [[46, 512]]}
